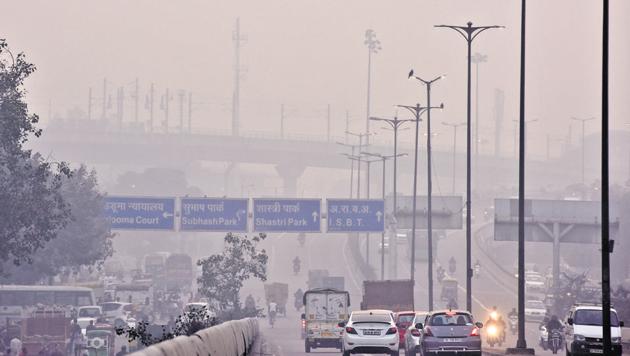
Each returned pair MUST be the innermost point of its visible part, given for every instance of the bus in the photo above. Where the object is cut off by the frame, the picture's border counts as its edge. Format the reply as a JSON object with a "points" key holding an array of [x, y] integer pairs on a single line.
{"points": [[15, 300]]}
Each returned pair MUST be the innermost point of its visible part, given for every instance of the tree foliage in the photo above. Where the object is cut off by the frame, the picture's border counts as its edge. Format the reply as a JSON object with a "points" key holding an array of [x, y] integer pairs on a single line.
{"points": [[86, 240], [185, 325], [223, 274], [33, 210]]}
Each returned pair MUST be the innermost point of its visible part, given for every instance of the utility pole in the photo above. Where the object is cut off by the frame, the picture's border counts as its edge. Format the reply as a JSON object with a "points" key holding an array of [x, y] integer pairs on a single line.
{"points": [[281, 120], [181, 95], [137, 97], [89, 113], [583, 149], [328, 123], [104, 113], [499, 102], [151, 101], [428, 84], [606, 243], [238, 39], [469, 32], [190, 112], [373, 46]]}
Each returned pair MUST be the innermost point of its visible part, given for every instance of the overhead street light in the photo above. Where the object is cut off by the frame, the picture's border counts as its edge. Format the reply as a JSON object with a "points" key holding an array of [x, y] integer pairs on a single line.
{"points": [[417, 111], [428, 84], [469, 33]]}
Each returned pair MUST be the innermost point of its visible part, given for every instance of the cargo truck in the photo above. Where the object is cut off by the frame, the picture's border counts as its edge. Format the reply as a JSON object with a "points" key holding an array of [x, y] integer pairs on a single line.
{"points": [[394, 295], [324, 309]]}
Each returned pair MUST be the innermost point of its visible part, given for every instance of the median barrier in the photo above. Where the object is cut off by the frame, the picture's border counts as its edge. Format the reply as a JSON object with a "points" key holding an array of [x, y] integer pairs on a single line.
{"points": [[232, 338]]}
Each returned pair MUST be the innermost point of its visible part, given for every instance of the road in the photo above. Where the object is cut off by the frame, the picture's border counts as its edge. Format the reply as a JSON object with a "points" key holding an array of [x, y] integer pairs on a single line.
{"points": [[330, 251]]}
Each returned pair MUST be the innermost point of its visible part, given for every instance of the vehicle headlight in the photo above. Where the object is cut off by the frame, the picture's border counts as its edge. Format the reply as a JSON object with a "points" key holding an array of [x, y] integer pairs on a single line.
{"points": [[492, 330], [578, 337], [616, 340]]}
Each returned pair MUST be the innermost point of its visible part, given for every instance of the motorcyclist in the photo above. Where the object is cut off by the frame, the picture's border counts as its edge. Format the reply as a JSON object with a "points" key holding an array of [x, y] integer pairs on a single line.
{"points": [[477, 268], [554, 324], [512, 314], [296, 264], [440, 274], [272, 309], [452, 265]]}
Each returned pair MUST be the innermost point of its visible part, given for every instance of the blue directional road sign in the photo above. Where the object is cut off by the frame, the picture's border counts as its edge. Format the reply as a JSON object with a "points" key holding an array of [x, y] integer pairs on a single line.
{"points": [[356, 215], [287, 215], [209, 214], [139, 213]]}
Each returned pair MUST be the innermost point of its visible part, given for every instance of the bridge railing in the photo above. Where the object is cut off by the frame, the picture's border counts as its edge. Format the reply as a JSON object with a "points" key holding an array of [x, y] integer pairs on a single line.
{"points": [[231, 338]]}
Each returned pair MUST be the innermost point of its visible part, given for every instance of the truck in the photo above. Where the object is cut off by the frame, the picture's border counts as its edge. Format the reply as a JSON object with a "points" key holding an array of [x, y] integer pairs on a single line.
{"points": [[45, 329], [395, 295], [279, 294], [316, 278], [324, 309], [334, 282], [178, 269]]}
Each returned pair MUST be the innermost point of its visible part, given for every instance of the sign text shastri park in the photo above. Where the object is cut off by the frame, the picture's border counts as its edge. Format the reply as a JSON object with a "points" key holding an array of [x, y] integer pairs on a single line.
{"points": [[190, 214]]}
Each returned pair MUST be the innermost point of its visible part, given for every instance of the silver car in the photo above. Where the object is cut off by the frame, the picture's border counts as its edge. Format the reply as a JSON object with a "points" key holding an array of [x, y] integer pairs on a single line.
{"points": [[449, 332], [413, 334]]}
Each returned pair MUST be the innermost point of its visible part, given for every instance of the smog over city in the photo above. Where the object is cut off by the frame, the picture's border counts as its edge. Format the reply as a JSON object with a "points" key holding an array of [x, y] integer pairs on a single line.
{"points": [[428, 177]]}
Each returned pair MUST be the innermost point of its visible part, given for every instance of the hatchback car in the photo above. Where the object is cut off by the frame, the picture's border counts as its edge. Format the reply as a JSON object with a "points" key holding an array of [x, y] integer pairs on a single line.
{"points": [[370, 332], [448, 332], [413, 334]]}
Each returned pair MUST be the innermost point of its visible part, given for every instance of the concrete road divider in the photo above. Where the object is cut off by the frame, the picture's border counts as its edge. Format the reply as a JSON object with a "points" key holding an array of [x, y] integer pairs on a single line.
{"points": [[232, 338]]}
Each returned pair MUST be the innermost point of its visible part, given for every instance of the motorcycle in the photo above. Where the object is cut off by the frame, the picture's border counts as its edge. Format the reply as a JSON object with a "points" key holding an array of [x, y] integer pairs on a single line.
{"points": [[493, 335], [513, 324], [542, 340], [555, 340]]}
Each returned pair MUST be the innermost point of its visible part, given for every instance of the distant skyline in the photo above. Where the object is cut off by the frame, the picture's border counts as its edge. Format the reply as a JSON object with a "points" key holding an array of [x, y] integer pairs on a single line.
{"points": [[308, 54]]}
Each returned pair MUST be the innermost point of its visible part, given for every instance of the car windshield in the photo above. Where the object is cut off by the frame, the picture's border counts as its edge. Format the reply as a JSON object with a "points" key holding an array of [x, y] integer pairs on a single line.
{"points": [[534, 304], [110, 306], [89, 312], [593, 317], [405, 318], [373, 318], [451, 319]]}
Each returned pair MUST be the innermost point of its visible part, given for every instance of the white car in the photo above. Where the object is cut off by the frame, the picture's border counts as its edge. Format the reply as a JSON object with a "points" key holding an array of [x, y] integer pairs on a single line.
{"points": [[535, 310], [413, 335], [370, 332], [584, 331], [116, 310]]}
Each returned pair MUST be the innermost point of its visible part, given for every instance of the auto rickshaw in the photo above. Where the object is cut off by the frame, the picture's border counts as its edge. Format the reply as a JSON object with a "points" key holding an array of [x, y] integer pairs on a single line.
{"points": [[100, 340], [449, 289]]}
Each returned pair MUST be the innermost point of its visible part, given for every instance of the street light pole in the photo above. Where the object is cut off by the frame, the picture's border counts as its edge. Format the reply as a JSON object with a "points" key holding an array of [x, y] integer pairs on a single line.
{"points": [[454, 126], [384, 158], [361, 146], [583, 149], [469, 33], [527, 122], [395, 123], [417, 111], [352, 148], [428, 84]]}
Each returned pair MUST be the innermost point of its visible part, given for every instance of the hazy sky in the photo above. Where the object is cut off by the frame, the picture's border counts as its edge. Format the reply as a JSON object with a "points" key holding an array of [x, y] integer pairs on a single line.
{"points": [[307, 54]]}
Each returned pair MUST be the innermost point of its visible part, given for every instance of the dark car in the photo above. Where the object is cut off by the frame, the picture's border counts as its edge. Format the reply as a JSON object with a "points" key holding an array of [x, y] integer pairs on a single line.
{"points": [[446, 332]]}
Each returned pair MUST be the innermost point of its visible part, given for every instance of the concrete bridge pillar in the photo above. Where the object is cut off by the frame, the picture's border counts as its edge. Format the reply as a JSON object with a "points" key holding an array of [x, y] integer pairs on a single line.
{"points": [[290, 173]]}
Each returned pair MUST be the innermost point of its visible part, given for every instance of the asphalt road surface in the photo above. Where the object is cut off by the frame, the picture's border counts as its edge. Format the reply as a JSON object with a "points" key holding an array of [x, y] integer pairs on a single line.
{"points": [[330, 251]]}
